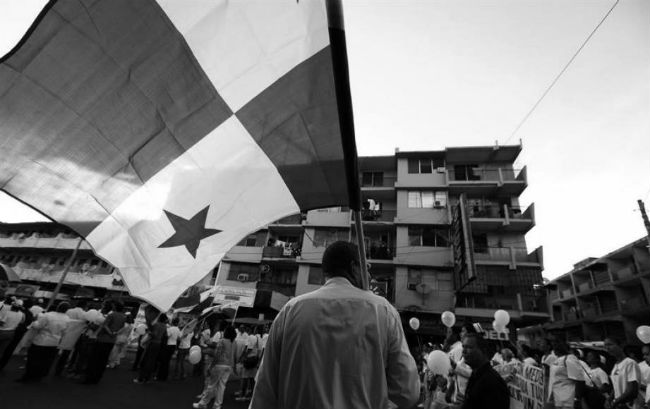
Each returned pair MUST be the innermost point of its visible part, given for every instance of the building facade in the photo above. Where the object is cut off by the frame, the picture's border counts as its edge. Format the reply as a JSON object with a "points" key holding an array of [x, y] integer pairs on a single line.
{"points": [[606, 296], [38, 254], [408, 221]]}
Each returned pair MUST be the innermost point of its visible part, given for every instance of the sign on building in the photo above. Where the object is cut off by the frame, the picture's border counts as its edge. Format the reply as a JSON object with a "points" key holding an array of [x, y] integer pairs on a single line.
{"points": [[224, 294]]}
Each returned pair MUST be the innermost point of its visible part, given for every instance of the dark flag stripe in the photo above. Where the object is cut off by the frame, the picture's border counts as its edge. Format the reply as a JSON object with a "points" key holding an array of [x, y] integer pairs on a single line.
{"points": [[98, 99], [295, 122]]}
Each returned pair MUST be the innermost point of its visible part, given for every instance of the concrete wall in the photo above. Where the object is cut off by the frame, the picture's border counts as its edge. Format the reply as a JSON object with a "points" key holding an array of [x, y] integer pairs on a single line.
{"points": [[438, 300]]}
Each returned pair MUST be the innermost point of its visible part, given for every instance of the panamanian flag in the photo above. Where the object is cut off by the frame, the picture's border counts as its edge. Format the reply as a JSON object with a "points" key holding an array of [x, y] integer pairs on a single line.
{"points": [[166, 131]]}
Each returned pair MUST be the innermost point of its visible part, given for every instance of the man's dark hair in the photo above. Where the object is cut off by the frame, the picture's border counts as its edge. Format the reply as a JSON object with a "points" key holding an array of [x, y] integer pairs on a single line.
{"points": [[163, 319], [63, 307], [230, 333], [481, 342], [338, 259]]}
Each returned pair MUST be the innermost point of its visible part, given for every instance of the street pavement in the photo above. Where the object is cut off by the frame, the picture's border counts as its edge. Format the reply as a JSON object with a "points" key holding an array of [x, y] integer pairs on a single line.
{"points": [[115, 391]]}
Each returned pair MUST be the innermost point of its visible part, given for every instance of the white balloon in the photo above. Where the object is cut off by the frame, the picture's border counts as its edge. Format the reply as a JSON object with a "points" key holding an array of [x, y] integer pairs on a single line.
{"points": [[195, 348], [502, 317], [643, 332], [414, 323], [438, 363], [497, 327], [194, 356], [448, 319]]}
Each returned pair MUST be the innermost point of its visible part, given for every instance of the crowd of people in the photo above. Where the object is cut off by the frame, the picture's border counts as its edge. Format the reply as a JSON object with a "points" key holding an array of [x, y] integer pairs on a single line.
{"points": [[612, 377], [82, 342], [337, 347]]}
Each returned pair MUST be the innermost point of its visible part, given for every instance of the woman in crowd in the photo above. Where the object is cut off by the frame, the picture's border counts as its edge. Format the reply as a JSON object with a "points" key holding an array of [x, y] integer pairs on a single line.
{"points": [[49, 328], [121, 342], [153, 340], [566, 380], [219, 370], [167, 351], [19, 333], [184, 345], [11, 316], [625, 376]]}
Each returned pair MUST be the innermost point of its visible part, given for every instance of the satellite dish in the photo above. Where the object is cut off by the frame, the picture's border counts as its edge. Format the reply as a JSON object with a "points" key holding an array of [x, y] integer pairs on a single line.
{"points": [[423, 288]]}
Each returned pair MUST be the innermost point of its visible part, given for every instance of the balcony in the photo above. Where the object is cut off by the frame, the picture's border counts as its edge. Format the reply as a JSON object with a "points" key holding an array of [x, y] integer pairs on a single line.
{"points": [[478, 180], [585, 287], [510, 255], [624, 273], [288, 251], [375, 183], [102, 278], [377, 251], [334, 217], [567, 293], [246, 254], [61, 241], [633, 304], [425, 256], [385, 216], [294, 219], [503, 217]]}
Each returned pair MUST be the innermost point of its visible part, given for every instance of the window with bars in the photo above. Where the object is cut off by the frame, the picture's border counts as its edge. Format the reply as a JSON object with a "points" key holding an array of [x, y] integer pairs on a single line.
{"points": [[430, 236], [372, 179], [426, 199]]}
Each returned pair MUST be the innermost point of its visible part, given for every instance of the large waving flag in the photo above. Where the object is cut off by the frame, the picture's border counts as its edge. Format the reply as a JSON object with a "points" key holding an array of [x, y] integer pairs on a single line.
{"points": [[165, 131]]}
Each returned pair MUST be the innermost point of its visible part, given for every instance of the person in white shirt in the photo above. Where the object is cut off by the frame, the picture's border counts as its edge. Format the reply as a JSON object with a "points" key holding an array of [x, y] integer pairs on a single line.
{"points": [[337, 347], [76, 327], [509, 367], [37, 308], [10, 317], [49, 328], [597, 376], [184, 345], [173, 336], [625, 375], [644, 368], [566, 379]]}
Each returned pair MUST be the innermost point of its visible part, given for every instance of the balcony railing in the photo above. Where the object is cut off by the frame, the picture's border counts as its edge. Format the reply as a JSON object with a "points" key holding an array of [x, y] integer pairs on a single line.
{"points": [[627, 272], [378, 252], [504, 254], [291, 251], [631, 304], [287, 289], [566, 293], [388, 181], [584, 287], [378, 215], [486, 212], [292, 219]]}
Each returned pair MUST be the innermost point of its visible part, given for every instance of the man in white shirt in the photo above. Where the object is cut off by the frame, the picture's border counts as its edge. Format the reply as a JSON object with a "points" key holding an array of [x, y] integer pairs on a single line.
{"points": [[337, 347], [597, 376], [625, 375]]}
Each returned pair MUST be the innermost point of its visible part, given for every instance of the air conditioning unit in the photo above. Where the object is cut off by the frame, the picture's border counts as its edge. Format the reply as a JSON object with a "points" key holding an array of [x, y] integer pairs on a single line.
{"points": [[441, 170], [265, 268], [242, 277], [437, 203]]}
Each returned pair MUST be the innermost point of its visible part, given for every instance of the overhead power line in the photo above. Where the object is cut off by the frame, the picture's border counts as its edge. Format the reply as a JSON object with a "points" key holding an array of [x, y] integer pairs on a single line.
{"points": [[548, 89]]}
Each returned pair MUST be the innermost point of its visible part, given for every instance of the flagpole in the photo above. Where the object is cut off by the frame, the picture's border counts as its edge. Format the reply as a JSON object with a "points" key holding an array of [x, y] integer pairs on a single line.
{"points": [[64, 274], [346, 122]]}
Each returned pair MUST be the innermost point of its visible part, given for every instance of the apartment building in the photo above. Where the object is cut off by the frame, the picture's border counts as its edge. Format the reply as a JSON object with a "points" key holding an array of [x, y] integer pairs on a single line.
{"points": [[38, 252], [412, 226], [605, 296]]}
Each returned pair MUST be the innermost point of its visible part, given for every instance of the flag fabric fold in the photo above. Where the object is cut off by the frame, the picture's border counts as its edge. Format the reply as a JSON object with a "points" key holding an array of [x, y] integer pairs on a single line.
{"points": [[166, 131]]}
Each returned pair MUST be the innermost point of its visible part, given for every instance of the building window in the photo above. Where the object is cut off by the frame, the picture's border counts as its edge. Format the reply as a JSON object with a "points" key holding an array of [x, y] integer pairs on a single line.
{"points": [[424, 199], [480, 242], [249, 241], [325, 237], [466, 172], [316, 276], [429, 236], [414, 278], [372, 179], [243, 272], [423, 165]]}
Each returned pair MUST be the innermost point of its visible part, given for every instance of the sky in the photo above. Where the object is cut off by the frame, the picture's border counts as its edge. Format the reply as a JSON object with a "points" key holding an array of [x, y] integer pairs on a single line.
{"points": [[428, 74]]}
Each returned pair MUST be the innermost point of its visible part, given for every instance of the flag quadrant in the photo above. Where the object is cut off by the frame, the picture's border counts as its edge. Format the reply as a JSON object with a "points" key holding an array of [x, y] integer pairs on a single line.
{"points": [[165, 132]]}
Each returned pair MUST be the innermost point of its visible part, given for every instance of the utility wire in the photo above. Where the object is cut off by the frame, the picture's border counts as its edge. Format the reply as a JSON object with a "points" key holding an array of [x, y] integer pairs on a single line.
{"points": [[560, 74]]}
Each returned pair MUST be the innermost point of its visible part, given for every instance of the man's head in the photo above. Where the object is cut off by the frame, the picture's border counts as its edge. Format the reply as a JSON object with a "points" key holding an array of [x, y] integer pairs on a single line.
{"points": [[507, 354], [341, 259], [593, 359], [614, 347], [474, 350], [645, 353], [543, 345]]}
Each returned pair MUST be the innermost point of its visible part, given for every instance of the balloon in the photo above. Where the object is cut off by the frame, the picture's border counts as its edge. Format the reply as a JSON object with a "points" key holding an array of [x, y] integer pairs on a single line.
{"points": [[438, 363], [643, 332], [414, 323], [195, 356], [141, 329], [502, 317], [448, 319], [497, 327], [195, 348]]}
